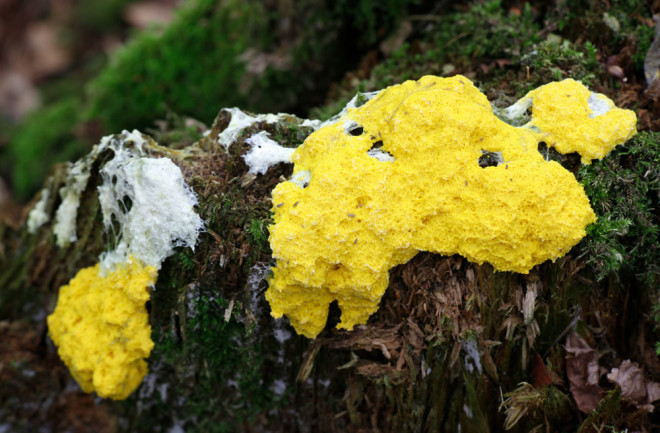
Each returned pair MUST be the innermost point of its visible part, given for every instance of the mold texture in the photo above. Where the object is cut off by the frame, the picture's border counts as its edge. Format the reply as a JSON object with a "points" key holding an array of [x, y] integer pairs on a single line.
{"points": [[569, 117], [336, 236], [100, 323], [101, 328]]}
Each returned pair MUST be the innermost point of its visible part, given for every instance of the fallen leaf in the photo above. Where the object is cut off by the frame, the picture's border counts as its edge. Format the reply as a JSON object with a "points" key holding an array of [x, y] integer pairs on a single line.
{"points": [[583, 373], [46, 54], [653, 391], [18, 96], [631, 380], [616, 71], [144, 14], [634, 385], [540, 372], [652, 60]]}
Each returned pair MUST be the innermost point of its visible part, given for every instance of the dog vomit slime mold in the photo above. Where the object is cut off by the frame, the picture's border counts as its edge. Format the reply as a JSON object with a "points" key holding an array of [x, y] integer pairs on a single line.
{"points": [[101, 328], [571, 118], [401, 174], [100, 324]]}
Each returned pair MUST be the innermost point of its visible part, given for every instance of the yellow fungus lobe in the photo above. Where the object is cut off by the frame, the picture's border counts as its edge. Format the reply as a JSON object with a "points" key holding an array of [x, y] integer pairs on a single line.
{"points": [[571, 118], [101, 328], [423, 166]]}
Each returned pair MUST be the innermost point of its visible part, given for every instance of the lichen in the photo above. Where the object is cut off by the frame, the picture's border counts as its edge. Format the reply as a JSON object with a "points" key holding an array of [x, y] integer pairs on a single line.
{"points": [[337, 235]]}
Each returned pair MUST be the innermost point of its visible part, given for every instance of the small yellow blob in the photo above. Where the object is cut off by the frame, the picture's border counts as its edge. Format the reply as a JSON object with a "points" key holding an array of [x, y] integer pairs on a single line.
{"points": [[401, 174], [101, 328], [571, 118]]}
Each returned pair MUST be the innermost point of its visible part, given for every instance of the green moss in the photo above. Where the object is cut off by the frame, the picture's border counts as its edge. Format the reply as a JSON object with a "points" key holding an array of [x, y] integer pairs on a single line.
{"points": [[200, 61], [257, 230], [372, 17], [190, 68], [213, 342], [486, 31], [492, 31], [623, 189], [45, 138], [176, 131], [606, 414], [99, 17], [212, 366], [590, 17], [290, 134], [213, 54], [555, 59]]}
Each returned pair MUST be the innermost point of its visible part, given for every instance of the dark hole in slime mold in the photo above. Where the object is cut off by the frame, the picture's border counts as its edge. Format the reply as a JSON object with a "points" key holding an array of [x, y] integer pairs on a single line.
{"points": [[377, 152], [356, 130], [126, 204], [570, 161], [334, 316], [115, 226], [544, 150], [490, 159]]}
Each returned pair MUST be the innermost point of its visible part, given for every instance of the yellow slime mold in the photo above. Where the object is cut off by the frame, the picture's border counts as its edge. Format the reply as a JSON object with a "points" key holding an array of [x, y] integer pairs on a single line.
{"points": [[568, 116], [101, 328], [401, 174]]}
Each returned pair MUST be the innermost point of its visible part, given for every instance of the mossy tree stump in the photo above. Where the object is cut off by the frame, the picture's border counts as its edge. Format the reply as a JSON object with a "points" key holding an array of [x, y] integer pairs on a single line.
{"points": [[450, 339]]}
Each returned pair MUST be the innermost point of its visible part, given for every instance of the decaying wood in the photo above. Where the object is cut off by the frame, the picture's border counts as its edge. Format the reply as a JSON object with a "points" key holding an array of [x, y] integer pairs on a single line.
{"points": [[451, 342]]}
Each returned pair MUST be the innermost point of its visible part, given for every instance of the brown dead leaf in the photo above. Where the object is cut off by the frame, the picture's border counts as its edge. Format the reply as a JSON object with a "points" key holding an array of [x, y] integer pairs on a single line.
{"points": [[634, 385], [616, 71], [629, 94], [653, 91], [540, 372], [46, 54], [652, 59], [631, 380], [308, 363], [583, 373], [485, 67], [18, 95], [386, 372], [653, 391], [488, 362], [144, 14]]}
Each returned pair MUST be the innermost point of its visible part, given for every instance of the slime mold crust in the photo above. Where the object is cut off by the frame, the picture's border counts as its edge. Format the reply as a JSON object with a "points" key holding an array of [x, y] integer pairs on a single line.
{"points": [[100, 323], [349, 214], [101, 327], [571, 118]]}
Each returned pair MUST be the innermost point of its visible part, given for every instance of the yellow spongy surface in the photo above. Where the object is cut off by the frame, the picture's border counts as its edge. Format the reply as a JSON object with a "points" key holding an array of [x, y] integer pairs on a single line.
{"points": [[338, 237], [101, 328], [563, 118]]}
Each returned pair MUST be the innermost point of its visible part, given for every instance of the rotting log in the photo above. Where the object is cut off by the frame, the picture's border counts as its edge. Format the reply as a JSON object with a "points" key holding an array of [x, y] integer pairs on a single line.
{"points": [[451, 341]]}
